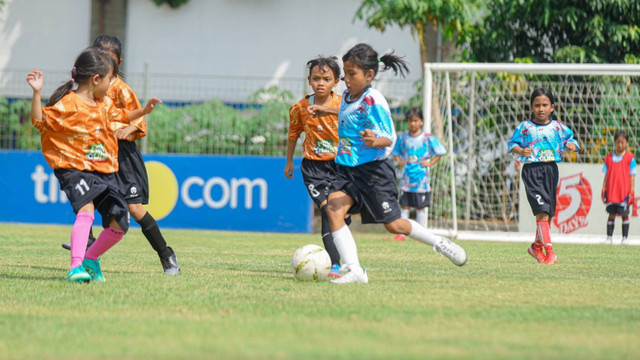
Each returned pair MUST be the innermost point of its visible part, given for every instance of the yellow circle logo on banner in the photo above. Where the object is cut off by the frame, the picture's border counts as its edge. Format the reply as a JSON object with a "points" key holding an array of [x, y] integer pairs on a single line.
{"points": [[163, 189]]}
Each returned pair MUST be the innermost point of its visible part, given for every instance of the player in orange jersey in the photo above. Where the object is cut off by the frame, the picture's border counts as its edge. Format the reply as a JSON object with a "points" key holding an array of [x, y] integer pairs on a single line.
{"points": [[317, 116], [78, 144], [132, 174]]}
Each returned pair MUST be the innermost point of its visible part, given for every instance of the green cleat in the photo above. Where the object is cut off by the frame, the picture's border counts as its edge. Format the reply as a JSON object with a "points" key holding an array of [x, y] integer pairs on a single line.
{"points": [[93, 268], [78, 274]]}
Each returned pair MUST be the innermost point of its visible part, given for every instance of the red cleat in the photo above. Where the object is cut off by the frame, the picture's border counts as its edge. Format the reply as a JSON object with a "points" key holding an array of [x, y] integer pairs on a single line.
{"points": [[551, 255], [535, 250], [400, 237]]}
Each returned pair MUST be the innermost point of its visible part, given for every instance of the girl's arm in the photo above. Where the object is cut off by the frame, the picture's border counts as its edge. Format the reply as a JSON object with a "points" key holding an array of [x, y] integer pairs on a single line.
{"points": [[321, 110], [36, 81], [430, 162], [288, 168], [603, 196], [632, 192], [526, 152], [151, 104]]}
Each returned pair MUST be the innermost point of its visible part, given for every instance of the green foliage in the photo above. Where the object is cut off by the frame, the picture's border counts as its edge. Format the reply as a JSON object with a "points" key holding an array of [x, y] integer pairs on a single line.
{"points": [[567, 31], [203, 128], [174, 4]]}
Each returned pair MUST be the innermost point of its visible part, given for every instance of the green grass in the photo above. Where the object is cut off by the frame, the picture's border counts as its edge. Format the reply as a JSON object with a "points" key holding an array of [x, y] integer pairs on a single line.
{"points": [[236, 299]]}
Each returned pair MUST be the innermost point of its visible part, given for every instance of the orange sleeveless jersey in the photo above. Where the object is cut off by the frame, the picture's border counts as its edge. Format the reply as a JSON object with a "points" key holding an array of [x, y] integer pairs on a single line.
{"points": [[76, 135], [124, 98], [321, 133]]}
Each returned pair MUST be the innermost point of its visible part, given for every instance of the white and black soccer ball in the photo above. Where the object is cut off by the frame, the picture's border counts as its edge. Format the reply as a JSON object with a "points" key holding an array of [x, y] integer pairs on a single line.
{"points": [[311, 263]]}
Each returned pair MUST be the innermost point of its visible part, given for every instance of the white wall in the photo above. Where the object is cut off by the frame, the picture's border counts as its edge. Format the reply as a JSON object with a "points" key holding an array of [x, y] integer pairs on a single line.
{"points": [[251, 37], [43, 33]]}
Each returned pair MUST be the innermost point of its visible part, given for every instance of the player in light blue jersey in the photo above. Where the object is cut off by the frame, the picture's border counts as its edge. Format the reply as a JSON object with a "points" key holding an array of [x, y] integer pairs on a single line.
{"points": [[416, 151], [365, 179], [540, 143]]}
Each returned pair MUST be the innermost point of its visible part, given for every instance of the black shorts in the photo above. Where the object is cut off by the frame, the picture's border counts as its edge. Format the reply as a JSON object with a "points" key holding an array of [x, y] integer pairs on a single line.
{"points": [[83, 187], [541, 183], [618, 209], [373, 188], [133, 182], [317, 176], [415, 200]]}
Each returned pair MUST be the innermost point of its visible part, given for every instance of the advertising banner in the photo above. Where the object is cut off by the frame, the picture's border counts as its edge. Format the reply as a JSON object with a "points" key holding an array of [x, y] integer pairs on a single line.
{"points": [[579, 209], [240, 193]]}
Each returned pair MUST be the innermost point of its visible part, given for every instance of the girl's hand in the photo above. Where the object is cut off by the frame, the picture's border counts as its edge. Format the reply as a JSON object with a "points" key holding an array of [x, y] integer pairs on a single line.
{"points": [[526, 152], [402, 162], [320, 110], [35, 80], [425, 163], [123, 134], [151, 104], [288, 170], [369, 137], [571, 147]]}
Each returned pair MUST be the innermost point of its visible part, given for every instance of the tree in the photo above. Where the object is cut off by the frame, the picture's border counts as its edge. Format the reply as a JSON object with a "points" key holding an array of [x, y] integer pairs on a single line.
{"points": [[449, 15], [594, 31]]}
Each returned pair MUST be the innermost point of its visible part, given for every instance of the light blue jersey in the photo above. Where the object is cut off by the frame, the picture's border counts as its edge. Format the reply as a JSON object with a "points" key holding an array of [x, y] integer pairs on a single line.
{"points": [[547, 142], [414, 149], [370, 111]]}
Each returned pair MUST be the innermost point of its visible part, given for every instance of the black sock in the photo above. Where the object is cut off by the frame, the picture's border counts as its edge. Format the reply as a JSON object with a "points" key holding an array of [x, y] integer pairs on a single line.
{"points": [[327, 238], [625, 227], [610, 225], [151, 231]]}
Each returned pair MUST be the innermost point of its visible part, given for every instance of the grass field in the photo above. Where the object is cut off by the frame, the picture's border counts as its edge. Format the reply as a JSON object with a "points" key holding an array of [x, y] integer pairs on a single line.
{"points": [[236, 299]]}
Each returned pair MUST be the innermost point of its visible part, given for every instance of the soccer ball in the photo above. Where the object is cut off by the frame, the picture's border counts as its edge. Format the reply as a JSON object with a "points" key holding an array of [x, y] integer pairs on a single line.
{"points": [[311, 263]]}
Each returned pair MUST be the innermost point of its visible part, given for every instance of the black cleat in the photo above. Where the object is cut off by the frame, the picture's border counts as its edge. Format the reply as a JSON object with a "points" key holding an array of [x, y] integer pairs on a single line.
{"points": [[170, 264], [67, 245]]}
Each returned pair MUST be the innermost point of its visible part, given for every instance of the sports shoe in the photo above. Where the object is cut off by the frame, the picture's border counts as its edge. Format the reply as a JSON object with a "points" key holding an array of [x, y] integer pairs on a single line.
{"points": [[535, 250], [551, 257], [93, 268], [624, 240], [91, 240], [335, 271], [170, 264], [451, 251], [609, 240], [354, 276], [400, 237], [78, 274]]}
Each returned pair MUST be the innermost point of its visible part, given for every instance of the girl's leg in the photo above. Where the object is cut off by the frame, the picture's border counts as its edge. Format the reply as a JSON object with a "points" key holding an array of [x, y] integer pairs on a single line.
{"points": [[421, 216], [80, 234], [542, 222], [611, 222], [106, 240], [625, 227], [451, 250], [151, 231], [327, 237], [404, 214]]}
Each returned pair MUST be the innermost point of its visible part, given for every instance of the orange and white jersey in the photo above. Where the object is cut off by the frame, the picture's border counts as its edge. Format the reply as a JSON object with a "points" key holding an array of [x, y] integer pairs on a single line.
{"points": [[321, 133], [124, 98], [76, 135]]}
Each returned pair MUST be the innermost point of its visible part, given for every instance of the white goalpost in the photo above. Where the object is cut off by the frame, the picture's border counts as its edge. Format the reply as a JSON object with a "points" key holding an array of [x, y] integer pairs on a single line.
{"points": [[473, 109]]}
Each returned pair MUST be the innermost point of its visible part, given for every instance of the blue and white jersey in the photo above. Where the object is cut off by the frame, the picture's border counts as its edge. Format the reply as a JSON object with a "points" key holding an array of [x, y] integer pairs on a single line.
{"points": [[547, 142], [413, 149], [370, 111]]}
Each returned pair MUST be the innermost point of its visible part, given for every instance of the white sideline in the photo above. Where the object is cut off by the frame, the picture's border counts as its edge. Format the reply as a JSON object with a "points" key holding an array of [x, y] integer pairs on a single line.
{"points": [[502, 236]]}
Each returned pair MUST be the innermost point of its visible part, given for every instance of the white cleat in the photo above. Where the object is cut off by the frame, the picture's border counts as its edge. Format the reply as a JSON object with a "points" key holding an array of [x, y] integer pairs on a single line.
{"points": [[609, 240], [354, 276], [451, 251]]}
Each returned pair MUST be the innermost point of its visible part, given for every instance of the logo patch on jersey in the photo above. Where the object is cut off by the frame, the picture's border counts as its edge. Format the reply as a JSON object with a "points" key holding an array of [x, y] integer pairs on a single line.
{"points": [[320, 129], [133, 191], [97, 153], [385, 207], [324, 147], [345, 146], [547, 155]]}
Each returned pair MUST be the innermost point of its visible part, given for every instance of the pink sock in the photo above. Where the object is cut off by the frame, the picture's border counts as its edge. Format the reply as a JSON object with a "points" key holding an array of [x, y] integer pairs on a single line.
{"points": [[79, 237], [105, 241]]}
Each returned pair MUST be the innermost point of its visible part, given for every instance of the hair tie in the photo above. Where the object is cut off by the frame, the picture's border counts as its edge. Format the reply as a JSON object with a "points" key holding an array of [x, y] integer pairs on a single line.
{"points": [[74, 68], [379, 60], [73, 80]]}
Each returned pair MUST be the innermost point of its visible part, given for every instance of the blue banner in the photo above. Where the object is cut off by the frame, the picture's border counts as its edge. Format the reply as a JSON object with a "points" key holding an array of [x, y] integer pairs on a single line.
{"points": [[240, 193]]}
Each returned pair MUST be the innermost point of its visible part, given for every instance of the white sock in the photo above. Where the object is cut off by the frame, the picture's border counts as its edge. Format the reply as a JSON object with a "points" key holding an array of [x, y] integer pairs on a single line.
{"points": [[421, 217], [347, 248], [404, 213], [421, 234]]}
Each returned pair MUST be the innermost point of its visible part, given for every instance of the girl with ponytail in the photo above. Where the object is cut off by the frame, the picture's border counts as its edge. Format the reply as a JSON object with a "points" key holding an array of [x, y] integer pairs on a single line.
{"points": [[78, 145]]}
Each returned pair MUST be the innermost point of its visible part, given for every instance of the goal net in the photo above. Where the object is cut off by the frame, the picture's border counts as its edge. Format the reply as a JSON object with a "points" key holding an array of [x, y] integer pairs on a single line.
{"points": [[473, 109]]}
